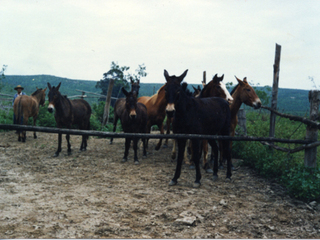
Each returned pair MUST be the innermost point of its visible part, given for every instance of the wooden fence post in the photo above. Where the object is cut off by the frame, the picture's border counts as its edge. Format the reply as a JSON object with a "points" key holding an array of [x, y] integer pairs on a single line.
{"points": [[276, 70], [310, 154], [242, 121], [107, 105], [204, 81]]}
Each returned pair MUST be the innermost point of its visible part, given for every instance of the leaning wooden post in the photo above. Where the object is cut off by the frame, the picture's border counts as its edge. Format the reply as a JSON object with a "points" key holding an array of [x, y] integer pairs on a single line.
{"points": [[108, 101], [310, 154], [276, 70]]}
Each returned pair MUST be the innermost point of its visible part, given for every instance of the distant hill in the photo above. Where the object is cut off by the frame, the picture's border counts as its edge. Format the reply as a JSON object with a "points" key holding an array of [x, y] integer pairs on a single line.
{"points": [[293, 101]]}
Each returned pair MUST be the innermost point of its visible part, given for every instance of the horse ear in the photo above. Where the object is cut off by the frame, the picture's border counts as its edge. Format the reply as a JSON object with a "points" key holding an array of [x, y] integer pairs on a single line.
{"points": [[166, 75], [182, 76], [239, 81], [125, 92], [221, 78], [58, 86], [138, 81], [131, 80], [44, 90], [49, 86], [194, 88], [245, 80]]}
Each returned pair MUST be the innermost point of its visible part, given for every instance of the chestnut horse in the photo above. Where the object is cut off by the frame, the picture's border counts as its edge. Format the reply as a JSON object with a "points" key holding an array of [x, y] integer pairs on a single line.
{"points": [[68, 113], [28, 106], [133, 120], [241, 93], [156, 107], [120, 105], [207, 116]]}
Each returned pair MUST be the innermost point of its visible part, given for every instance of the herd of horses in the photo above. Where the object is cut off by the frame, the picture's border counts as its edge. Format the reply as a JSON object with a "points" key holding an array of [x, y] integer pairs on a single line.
{"points": [[211, 110]]}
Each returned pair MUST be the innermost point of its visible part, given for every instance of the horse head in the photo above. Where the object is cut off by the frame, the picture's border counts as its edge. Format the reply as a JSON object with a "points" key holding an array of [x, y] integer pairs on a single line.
{"points": [[53, 96], [247, 94], [131, 103], [43, 97], [172, 90], [135, 86], [216, 88]]}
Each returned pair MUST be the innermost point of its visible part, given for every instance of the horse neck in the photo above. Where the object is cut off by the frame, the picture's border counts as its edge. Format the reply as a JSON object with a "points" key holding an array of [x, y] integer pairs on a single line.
{"points": [[63, 106], [236, 104], [37, 97], [161, 100]]}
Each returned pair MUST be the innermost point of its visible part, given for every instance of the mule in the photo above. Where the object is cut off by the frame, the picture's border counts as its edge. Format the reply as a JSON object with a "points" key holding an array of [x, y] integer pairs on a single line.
{"points": [[25, 107], [120, 105], [134, 119], [68, 113], [241, 93], [156, 108], [207, 116]]}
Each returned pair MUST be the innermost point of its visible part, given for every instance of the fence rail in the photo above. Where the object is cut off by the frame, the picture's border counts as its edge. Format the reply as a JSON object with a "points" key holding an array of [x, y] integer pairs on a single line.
{"points": [[147, 135]]}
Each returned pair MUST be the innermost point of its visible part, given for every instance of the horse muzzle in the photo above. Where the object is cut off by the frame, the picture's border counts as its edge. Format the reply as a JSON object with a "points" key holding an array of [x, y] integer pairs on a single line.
{"points": [[50, 108], [256, 105], [133, 114], [170, 109]]}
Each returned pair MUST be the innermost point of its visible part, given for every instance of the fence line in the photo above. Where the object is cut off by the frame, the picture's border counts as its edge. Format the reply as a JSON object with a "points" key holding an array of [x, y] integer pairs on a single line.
{"points": [[146, 135]]}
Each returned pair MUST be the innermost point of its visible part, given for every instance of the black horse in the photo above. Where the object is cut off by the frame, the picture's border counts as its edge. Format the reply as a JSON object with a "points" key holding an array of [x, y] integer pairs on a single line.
{"points": [[68, 113], [120, 105], [207, 116], [133, 120]]}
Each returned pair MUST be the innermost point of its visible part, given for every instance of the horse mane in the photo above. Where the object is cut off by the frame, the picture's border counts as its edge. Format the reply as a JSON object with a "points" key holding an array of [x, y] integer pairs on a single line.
{"points": [[36, 92], [234, 89]]}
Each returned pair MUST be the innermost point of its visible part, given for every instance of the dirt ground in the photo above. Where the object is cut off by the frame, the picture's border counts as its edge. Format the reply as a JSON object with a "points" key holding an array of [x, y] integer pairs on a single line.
{"points": [[93, 195]]}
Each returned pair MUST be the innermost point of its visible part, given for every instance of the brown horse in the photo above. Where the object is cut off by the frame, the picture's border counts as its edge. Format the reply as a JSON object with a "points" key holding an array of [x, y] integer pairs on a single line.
{"points": [[28, 106], [68, 113], [241, 93], [156, 106], [120, 105]]}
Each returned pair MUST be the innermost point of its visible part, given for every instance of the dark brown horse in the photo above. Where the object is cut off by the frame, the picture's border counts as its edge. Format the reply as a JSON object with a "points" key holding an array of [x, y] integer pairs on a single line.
{"points": [[120, 105], [25, 107], [156, 106], [207, 116], [68, 113], [133, 120]]}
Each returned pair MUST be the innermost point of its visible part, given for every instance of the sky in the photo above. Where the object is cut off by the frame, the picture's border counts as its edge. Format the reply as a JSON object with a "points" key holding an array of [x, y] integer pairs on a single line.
{"points": [[79, 39]]}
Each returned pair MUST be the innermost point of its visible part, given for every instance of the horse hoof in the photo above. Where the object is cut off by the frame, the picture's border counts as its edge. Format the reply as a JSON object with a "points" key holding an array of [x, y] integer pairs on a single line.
{"points": [[196, 185], [157, 148], [110, 143], [209, 170], [228, 179], [220, 167], [23, 140], [136, 162], [124, 160], [69, 153], [172, 183], [215, 178], [173, 156], [19, 139], [35, 137], [56, 155]]}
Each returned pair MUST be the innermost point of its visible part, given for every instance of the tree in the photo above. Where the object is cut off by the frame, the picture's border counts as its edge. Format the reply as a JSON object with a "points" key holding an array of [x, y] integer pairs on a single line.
{"points": [[2, 76], [122, 79]]}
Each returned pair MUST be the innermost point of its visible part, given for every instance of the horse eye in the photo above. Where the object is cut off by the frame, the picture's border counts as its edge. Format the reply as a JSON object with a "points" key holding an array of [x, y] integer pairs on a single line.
{"points": [[248, 89]]}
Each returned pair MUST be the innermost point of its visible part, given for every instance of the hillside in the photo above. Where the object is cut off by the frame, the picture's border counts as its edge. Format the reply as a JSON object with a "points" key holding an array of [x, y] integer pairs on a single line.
{"points": [[294, 101]]}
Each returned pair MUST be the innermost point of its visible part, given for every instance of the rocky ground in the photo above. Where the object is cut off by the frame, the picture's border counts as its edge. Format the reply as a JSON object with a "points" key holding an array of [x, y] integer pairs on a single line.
{"points": [[93, 195]]}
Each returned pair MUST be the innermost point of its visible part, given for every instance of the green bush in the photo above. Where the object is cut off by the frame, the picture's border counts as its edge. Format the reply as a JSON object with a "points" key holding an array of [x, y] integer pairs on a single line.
{"points": [[289, 170]]}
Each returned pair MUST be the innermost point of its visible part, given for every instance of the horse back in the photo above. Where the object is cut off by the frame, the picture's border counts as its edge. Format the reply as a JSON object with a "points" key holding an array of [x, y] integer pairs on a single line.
{"points": [[119, 106], [81, 110], [25, 106]]}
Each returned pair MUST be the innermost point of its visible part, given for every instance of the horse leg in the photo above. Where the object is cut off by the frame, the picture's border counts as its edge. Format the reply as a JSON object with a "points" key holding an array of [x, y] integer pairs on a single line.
{"points": [[144, 147], [126, 150], [160, 140], [227, 154], [69, 145], [34, 124], [59, 145], [135, 149], [196, 160], [114, 126], [168, 131], [221, 160], [181, 147], [24, 133], [215, 149], [174, 152]]}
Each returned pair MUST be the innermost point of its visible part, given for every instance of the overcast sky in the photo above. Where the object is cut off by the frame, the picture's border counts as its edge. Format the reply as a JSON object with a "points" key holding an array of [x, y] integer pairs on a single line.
{"points": [[79, 39]]}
